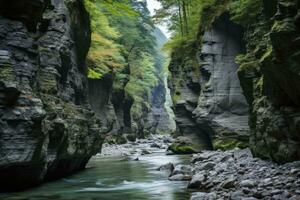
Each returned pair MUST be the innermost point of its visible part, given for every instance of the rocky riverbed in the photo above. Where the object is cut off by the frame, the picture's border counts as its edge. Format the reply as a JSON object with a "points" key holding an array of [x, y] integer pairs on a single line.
{"points": [[137, 148], [236, 175], [233, 174]]}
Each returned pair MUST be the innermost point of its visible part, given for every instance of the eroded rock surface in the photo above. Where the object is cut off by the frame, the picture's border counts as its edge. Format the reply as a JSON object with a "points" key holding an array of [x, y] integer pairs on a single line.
{"points": [[269, 74], [47, 129], [209, 105]]}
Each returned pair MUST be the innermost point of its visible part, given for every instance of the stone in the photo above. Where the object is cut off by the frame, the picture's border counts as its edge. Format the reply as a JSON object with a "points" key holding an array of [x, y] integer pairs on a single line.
{"points": [[229, 183], [205, 166], [243, 154], [203, 196], [259, 179], [184, 145], [247, 183], [145, 151], [182, 169], [166, 167], [155, 145], [180, 177], [197, 180], [238, 195]]}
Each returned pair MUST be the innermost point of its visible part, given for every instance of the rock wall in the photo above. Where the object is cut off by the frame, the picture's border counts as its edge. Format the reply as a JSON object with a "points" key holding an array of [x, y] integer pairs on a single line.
{"points": [[222, 109], [159, 120], [269, 74], [47, 129], [209, 103], [209, 100]]}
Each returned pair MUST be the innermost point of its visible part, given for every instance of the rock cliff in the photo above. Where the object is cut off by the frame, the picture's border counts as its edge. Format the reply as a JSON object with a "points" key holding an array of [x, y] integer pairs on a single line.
{"points": [[253, 66], [269, 74], [209, 102], [47, 129]]}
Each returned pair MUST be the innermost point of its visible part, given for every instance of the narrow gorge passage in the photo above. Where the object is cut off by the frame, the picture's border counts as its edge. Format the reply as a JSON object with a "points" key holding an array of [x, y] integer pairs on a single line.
{"points": [[116, 177], [149, 99]]}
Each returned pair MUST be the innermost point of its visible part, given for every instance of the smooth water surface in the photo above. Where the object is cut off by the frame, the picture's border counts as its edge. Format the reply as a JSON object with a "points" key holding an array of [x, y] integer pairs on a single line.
{"points": [[113, 178]]}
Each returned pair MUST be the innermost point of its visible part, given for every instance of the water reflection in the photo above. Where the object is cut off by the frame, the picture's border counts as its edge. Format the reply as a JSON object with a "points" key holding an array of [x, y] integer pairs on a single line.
{"points": [[113, 178]]}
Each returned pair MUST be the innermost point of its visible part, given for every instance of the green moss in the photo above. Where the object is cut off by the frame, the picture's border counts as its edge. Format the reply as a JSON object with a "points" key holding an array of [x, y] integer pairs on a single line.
{"points": [[182, 149], [228, 144], [70, 109], [284, 26], [183, 145], [267, 55], [176, 97], [245, 12], [48, 82], [6, 72], [259, 85]]}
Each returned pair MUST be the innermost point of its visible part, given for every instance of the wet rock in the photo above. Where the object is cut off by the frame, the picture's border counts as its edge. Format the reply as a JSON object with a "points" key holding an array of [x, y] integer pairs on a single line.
{"points": [[180, 177], [182, 169], [155, 145], [166, 167], [145, 151], [181, 172], [136, 159]]}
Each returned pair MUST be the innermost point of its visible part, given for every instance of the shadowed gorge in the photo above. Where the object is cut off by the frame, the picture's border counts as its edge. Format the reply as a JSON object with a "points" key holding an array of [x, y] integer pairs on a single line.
{"points": [[149, 99]]}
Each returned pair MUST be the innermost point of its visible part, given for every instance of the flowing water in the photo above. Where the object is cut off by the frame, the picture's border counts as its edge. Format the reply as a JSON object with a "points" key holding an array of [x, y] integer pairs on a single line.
{"points": [[113, 178]]}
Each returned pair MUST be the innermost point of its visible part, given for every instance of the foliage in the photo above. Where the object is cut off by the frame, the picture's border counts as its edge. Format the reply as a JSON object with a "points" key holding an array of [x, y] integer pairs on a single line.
{"points": [[143, 78], [123, 43], [104, 54], [244, 12], [188, 21]]}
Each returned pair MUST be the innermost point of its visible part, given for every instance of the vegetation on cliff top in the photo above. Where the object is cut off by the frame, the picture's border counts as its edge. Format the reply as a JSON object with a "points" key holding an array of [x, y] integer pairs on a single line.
{"points": [[188, 19], [124, 44]]}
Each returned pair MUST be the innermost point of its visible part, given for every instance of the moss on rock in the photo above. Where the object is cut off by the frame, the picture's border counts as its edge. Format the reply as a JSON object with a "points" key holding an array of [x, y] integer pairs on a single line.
{"points": [[183, 145], [228, 144]]}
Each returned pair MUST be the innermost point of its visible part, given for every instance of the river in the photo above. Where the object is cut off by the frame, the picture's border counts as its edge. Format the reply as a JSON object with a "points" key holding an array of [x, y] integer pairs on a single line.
{"points": [[114, 178]]}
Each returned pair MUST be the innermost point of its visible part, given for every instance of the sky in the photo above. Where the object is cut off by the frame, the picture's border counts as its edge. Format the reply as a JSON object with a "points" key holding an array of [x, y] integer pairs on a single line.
{"points": [[152, 5]]}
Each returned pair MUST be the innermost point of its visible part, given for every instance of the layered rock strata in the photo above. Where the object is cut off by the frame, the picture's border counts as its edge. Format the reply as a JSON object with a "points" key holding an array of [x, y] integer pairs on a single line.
{"points": [[209, 102], [269, 74], [47, 129]]}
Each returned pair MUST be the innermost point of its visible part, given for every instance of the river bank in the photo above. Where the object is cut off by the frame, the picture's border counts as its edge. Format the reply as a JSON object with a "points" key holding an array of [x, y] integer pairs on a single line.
{"points": [[117, 175], [234, 174], [145, 170]]}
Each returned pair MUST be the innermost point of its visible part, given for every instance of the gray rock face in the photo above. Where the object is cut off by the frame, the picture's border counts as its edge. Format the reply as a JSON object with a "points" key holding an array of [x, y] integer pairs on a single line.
{"points": [[159, 120], [211, 103], [100, 94], [47, 129], [222, 106]]}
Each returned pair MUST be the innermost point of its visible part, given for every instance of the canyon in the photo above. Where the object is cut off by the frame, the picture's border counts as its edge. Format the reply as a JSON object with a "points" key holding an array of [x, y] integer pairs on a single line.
{"points": [[236, 86]]}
